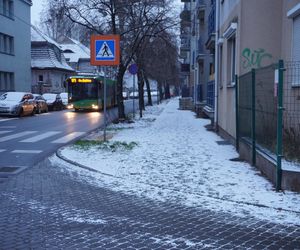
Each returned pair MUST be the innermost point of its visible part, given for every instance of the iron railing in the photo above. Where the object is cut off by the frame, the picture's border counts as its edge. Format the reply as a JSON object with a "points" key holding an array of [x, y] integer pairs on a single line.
{"points": [[210, 96]]}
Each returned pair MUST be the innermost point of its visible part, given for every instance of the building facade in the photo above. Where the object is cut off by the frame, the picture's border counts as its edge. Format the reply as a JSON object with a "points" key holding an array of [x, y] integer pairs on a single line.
{"points": [[48, 64], [198, 51], [251, 35], [15, 68]]}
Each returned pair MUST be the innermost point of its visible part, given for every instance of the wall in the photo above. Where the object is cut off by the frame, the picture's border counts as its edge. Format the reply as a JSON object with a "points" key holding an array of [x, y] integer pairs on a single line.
{"points": [[229, 11], [260, 34], [54, 78], [20, 63]]}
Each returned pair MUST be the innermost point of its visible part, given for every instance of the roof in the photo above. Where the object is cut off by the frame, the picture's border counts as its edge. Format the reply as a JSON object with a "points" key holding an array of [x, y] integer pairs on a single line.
{"points": [[45, 52], [38, 36], [77, 51]]}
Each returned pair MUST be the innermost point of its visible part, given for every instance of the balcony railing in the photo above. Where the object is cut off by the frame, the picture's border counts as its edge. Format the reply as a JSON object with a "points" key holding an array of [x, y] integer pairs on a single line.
{"points": [[210, 94], [185, 15], [211, 20], [200, 7], [200, 50]]}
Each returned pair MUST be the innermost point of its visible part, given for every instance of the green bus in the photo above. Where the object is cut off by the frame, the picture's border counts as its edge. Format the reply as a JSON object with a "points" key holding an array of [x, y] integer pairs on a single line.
{"points": [[87, 92]]}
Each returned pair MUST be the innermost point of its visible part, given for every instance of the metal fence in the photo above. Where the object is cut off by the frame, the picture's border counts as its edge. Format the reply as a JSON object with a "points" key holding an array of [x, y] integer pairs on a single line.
{"points": [[210, 95], [259, 112], [291, 114]]}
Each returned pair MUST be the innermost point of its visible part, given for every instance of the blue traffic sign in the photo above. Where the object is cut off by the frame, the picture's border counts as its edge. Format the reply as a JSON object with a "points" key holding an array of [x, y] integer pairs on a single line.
{"points": [[105, 50], [133, 69]]}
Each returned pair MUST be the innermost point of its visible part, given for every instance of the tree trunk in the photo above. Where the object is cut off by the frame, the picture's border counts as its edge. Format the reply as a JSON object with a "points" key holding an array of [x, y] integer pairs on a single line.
{"points": [[161, 95], [141, 92], [167, 91], [121, 110], [148, 89]]}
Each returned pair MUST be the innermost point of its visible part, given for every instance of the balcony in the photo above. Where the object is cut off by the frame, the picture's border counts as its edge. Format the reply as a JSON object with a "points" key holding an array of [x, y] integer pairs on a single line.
{"points": [[185, 15], [185, 44], [210, 43], [200, 7], [185, 1], [185, 32], [210, 95], [200, 50]]}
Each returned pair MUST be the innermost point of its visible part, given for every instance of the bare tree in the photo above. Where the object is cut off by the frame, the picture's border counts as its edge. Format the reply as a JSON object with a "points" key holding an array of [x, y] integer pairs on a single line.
{"points": [[133, 20], [161, 61]]}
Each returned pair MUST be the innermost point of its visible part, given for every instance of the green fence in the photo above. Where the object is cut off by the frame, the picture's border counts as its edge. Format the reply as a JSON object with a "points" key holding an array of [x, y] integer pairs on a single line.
{"points": [[257, 105], [259, 116], [291, 114]]}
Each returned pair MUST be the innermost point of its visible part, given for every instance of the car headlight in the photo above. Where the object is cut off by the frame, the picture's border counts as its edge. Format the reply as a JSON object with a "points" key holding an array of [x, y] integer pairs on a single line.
{"points": [[70, 106], [95, 106]]}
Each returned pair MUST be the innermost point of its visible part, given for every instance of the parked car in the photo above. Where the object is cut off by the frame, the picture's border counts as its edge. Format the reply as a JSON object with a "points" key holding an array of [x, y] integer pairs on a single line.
{"points": [[54, 101], [125, 95], [17, 104], [64, 97], [134, 95], [41, 104]]}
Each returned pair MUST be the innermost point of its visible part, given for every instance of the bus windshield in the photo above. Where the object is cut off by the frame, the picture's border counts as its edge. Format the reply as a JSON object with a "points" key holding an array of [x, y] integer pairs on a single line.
{"points": [[81, 91]]}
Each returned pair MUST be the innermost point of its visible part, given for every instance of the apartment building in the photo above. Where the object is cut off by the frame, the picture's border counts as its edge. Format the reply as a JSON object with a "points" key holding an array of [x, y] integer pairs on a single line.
{"points": [[15, 68], [251, 35], [198, 52]]}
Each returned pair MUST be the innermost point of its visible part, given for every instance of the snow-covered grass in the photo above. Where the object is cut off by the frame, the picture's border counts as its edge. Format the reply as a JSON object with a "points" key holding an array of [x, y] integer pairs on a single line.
{"points": [[176, 159]]}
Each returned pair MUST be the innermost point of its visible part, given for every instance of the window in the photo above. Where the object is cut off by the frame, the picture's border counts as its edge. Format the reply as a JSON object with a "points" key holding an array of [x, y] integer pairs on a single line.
{"points": [[41, 78], [296, 39], [7, 81], [7, 8], [232, 60], [6, 44], [295, 69]]}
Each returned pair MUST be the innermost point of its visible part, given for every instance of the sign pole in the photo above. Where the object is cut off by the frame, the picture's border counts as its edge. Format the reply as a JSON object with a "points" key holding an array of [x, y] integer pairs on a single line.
{"points": [[105, 51], [104, 105], [133, 100], [133, 69]]}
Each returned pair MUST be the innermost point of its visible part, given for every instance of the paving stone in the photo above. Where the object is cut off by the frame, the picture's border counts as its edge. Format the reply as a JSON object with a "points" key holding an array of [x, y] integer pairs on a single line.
{"points": [[46, 207]]}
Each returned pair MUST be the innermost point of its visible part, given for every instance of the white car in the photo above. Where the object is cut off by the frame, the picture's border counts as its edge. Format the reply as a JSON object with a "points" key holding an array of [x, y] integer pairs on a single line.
{"points": [[134, 95], [17, 104], [64, 98]]}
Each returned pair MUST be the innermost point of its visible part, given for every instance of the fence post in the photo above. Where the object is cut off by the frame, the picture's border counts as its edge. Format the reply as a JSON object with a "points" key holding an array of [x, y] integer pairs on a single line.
{"points": [[253, 133], [237, 143], [279, 124]]}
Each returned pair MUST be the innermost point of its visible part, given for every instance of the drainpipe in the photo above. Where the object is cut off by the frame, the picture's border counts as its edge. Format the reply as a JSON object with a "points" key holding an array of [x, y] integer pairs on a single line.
{"points": [[217, 76]]}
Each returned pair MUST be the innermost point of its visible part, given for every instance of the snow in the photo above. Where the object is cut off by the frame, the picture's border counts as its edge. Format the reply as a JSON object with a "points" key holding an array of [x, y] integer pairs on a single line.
{"points": [[78, 49], [177, 160]]}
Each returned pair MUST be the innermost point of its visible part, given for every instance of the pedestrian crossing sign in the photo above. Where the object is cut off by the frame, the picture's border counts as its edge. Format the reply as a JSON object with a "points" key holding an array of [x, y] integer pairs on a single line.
{"points": [[105, 50]]}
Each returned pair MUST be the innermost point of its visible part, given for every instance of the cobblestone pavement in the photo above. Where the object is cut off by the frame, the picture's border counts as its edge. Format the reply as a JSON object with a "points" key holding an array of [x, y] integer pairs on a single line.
{"points": [[45, 207]]}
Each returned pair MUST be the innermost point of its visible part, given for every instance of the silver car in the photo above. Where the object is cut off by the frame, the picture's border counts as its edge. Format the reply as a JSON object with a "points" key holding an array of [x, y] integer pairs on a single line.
{"points": [[17, 104]]}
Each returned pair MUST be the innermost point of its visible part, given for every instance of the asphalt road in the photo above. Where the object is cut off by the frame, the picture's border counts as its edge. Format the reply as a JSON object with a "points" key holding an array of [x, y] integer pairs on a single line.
{"points": [[28, 140]]}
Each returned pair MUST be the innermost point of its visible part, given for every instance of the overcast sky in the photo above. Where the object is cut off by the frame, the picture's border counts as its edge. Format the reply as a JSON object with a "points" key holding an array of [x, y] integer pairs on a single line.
{"points": [[37, 7]]}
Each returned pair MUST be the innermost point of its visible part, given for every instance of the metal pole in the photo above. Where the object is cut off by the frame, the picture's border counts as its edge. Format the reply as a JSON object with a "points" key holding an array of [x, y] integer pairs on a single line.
{"points": [[104, 105], [237, 143], [279, 125], [133, 100], [253, 120]]}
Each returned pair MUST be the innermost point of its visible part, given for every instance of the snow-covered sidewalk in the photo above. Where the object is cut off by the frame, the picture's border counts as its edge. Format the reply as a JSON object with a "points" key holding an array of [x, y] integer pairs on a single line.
{"points": [[170, 156]]}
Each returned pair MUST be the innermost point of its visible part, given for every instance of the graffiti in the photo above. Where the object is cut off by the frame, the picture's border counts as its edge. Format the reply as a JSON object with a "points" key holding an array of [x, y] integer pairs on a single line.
{"points": [[253, 59]]}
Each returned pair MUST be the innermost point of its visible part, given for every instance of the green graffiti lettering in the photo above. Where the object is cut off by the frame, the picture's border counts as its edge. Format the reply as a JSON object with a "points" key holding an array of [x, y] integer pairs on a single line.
{"points": [[254, 59]]}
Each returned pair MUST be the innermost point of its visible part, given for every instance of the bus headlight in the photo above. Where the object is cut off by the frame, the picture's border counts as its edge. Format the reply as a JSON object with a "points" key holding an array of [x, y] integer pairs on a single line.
{"points": [[70, 106], [94, 106]]}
